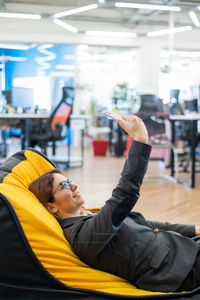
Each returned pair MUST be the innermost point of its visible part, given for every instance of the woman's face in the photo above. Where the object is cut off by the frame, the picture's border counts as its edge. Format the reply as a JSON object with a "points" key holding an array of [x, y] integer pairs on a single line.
{"points": [[66, 201]]}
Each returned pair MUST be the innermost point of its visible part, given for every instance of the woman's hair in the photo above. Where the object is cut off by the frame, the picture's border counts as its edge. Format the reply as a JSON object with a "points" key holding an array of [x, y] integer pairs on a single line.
{"points": [[42, 187]]}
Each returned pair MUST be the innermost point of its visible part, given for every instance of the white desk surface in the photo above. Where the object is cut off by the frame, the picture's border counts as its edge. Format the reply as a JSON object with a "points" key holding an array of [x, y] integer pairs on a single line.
{"points": [[80, 116], [24, 116], [188, 117], [38, 116]]}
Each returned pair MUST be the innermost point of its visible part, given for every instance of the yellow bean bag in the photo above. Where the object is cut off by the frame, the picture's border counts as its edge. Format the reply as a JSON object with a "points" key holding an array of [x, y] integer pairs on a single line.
{"points": [[36, 260]]}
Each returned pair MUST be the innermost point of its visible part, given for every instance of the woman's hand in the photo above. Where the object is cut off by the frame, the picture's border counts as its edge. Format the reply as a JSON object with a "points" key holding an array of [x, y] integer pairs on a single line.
{"points": [[135, 128], [197, 230]]}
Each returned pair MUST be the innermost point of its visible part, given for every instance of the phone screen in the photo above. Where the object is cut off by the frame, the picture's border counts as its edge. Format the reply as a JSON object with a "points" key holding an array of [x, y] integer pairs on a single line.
{"points": [[113, 115]]}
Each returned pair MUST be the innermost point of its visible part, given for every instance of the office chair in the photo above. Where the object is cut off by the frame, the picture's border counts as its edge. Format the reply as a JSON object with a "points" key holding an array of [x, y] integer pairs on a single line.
{"points": [[159, 131], [148, 103], [182, 129], [158, 127], [55, 128], [157, 123]]}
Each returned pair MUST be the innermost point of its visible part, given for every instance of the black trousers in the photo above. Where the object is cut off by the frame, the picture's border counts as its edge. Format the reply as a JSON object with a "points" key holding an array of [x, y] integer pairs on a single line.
{"points": [[192, 281]]}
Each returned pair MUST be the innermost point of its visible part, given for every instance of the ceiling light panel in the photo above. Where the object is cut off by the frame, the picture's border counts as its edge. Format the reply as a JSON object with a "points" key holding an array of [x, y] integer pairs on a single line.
{"points": [[111, 34], [65, 25], [75, 11], [20, 16], [168, 31], [65, 67], [14, 46], [148, 6], [194, 18]]}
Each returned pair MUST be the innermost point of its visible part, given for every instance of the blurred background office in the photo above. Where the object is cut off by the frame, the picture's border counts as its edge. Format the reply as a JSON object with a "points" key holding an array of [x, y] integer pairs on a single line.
{"points": [[69, 60]]}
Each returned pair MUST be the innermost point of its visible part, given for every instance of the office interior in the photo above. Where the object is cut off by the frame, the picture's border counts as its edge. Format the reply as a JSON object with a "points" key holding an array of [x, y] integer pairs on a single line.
{"points": [[62, 63], [132, 60]]}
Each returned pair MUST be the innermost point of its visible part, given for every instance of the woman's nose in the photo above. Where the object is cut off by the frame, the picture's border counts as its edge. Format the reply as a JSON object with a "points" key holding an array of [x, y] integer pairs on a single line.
{"points": [[73, 186]]}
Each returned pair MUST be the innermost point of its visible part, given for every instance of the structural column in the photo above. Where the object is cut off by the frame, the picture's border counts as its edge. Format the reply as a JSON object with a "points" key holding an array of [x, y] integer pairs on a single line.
{"points": [[149, 67]]}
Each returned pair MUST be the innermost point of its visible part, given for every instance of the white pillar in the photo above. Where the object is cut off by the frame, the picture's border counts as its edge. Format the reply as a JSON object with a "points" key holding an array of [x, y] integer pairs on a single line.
{"points": [[149, 67]]}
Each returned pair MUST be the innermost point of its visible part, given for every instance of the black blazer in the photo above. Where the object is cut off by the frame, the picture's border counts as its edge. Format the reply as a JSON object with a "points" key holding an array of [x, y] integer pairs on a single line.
{"points": [[151, 255]]}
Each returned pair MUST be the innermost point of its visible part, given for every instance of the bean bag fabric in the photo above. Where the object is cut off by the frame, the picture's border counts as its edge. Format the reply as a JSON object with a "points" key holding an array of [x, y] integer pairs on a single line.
{"points": [[36, 260]]}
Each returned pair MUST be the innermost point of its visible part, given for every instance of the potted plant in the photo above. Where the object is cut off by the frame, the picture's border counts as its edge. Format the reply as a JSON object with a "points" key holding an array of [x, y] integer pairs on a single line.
{"points": [[99, 143], [125, 98]]}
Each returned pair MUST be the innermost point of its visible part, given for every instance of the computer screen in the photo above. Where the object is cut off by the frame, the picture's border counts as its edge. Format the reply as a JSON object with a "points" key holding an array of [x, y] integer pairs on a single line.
{"points": [[23, 97], [191, 105], [8, 96]]}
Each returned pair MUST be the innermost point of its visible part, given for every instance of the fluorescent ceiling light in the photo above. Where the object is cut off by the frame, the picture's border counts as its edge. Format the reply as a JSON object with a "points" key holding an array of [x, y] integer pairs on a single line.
{"points": [[194, 18], [12, 58], [69, 57], [20, 16], [114, 33], [82, 47], [181, 53], [62, 74], [65, 25], [75, 11], [147, 6], [14, 47], [65, 67], [170, 30], [191, 54], [113, 57]]}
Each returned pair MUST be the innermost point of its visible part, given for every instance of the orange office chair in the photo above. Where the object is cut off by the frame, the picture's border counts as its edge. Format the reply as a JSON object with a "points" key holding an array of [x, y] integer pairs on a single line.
{"points": [[55, 128]]}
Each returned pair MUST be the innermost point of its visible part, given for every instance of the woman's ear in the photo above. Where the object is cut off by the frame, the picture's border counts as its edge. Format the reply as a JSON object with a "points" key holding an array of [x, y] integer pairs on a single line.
{"points": [[51, 208]]}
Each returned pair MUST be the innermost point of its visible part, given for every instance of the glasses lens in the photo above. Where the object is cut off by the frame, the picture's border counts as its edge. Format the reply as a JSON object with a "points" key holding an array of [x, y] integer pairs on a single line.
{"points": [[66, 185], [71, 181]]}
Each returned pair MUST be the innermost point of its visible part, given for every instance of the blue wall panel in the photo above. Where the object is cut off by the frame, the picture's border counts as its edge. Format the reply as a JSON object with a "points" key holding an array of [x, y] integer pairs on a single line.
{"points": [[39, 60]]}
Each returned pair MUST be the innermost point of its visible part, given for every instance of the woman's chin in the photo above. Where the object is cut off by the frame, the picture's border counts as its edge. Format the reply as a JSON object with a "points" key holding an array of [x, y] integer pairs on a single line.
{"points": [[79, 198]]}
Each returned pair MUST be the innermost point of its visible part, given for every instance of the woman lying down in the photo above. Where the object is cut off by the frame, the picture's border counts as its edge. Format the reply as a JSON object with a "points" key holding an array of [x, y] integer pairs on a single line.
{"points": [[151, 255]]}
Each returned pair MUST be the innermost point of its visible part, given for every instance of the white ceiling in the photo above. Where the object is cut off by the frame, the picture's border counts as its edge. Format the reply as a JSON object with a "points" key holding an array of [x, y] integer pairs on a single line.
{"points": [[106, 17]]}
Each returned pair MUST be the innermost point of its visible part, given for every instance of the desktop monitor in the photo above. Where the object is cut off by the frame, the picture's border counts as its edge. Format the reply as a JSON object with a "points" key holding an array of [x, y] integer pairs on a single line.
{"points": [[8, 95], [23, 97], [191, 105]]}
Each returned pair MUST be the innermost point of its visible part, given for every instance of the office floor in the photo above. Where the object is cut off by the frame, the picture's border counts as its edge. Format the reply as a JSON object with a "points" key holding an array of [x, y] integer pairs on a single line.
{"points": [[160, 199]]}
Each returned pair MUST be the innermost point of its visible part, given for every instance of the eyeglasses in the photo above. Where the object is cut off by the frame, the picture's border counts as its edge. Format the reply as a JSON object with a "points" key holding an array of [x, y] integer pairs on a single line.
{"points": [[66, 184]]}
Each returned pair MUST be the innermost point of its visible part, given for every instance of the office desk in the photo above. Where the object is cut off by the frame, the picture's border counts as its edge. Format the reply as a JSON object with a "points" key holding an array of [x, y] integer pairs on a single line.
{"points": [[75, 122], [22, 121], [193, 118]]}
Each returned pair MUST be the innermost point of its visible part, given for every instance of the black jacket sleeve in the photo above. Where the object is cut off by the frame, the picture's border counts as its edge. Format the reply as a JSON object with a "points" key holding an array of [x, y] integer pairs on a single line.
{"points": [[186, 230], [130, 182], [90, 236]]}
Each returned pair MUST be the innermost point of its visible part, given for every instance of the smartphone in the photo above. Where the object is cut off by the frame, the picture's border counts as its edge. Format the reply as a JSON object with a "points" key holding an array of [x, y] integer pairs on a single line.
{"points": [[114, 116]]}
